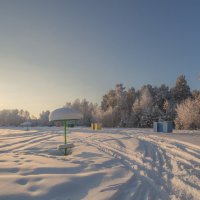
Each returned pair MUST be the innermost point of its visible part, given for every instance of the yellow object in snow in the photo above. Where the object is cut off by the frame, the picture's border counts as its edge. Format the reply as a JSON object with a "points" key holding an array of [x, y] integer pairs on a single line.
{"points": [[96, 126], [92, 126]]}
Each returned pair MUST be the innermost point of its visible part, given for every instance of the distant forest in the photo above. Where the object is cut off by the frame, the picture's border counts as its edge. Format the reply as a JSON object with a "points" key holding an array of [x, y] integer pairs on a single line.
{"points": [[128, 108]]}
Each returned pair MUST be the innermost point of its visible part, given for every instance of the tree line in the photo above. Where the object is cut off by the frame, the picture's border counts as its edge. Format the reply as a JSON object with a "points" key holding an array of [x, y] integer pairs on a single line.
{"points": [[140, 108], [16, 117], [128, 108]]}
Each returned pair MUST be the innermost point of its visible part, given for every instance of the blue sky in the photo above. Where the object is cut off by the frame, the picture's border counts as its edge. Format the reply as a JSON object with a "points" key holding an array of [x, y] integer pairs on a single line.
{"points": [[53, 51]]}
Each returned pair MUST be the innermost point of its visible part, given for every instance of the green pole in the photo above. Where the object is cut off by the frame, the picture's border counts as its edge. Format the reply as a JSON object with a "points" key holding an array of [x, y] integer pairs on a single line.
{"points": [[65, 125]]}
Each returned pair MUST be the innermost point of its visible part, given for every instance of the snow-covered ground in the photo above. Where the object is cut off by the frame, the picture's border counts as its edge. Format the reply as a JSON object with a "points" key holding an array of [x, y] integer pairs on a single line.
{"points": [[115, 164]]}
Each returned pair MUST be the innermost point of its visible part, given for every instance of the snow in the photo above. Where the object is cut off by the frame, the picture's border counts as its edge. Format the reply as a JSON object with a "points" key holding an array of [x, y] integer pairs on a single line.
{"points": [[65, 114], [107, 164]]}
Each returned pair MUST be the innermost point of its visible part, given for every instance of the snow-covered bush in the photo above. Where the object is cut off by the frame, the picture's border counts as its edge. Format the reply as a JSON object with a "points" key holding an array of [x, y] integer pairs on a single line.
{"points": [[188, 114]]}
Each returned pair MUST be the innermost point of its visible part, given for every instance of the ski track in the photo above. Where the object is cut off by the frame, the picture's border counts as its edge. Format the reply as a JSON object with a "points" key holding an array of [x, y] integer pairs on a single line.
{"points": [[162, 168], [31, 140]]}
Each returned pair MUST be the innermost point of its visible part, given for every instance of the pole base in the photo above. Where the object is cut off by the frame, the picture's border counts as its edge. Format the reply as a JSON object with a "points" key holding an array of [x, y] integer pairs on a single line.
{"points": [[66, 148]]}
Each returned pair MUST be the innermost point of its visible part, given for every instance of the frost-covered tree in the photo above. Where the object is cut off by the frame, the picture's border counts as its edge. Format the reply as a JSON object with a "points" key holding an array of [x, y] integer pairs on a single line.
{"points": [[161, 94], [131, 97], [97, 114], [109, 100], [188, 115], [108, 118], [76, 104], [44, 118], [136, 114], [181, 91], [146, 100], [141, 105], [169, 110], [24, 114], [13, 117], [195, 94], [117, 100], [86, 108], [145, 103], [121, 108]]}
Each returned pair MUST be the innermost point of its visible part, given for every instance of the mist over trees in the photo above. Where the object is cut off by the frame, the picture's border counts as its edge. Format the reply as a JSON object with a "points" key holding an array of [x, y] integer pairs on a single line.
{"points": [[128, 108]]}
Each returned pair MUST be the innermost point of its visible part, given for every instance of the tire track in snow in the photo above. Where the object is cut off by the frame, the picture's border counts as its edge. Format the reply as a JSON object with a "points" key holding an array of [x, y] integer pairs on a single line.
{"points": [[146, 181], [160, 162], [185, 166]]}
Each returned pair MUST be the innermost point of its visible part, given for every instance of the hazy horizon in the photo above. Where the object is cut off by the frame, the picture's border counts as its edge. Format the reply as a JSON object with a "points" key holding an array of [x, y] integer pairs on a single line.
{"points": [[56, 51]]}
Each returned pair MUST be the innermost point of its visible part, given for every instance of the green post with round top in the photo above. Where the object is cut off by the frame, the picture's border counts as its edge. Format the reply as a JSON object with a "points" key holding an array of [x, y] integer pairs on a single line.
{"points": [[65, 114]]}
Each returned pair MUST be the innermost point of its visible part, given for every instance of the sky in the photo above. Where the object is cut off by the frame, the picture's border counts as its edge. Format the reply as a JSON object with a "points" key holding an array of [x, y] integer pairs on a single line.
{"points": [[54, 51]]}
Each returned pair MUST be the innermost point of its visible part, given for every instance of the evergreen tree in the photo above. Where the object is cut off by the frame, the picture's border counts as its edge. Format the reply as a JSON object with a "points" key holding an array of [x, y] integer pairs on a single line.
{"points": [[131, 97], [161, 94], [181, 91], [109, 100]]}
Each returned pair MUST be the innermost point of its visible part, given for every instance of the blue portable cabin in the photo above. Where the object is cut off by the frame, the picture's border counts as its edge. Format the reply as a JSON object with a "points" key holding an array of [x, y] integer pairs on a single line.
{"points": [[158, 126], [167, 127], [163, 127]]}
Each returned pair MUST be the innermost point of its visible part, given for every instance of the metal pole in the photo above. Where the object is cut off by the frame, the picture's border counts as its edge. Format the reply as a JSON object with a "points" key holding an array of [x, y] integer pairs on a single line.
{"points": [[65, 125]]}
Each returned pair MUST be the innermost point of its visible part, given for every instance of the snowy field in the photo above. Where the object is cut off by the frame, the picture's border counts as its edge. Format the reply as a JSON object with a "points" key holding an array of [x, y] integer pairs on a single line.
{"points": [[115, 164]]}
